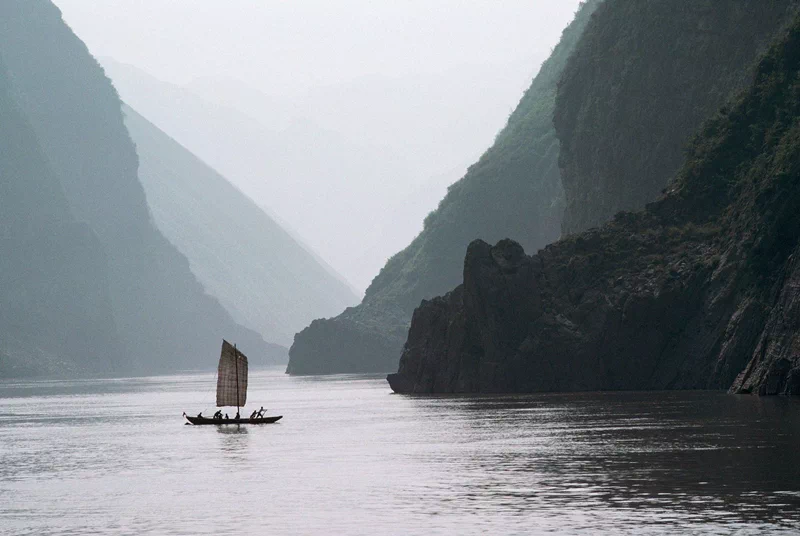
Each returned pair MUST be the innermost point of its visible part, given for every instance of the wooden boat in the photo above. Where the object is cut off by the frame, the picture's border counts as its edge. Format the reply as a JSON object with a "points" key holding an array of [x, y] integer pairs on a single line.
{"points": [[231, 389], [257, 420]]}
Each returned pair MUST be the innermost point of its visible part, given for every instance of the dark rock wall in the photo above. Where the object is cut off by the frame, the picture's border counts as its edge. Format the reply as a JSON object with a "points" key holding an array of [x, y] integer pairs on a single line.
{"points": [[164, 318], [775, 366], [513, 190], [700, 290], [643, 78]]}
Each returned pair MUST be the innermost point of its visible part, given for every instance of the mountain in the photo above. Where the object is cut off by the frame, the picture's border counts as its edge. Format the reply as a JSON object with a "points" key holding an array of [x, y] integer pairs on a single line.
{"points": [[624, 119], [163, 316], [261, 275], [328, 189], [346, 154], [56, 314], [701, 290], [513, 190]]}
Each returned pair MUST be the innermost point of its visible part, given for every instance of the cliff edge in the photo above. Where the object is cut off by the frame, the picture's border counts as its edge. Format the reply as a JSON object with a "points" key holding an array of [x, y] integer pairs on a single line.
{"points": [[699, 290], [513, 190]]}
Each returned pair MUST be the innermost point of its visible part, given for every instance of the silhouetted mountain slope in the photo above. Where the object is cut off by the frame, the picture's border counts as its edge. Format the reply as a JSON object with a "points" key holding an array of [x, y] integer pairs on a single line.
{"points": [[266, 280], [329, 189], [700, 290], [513, 190], [344, 154], [165, 319], [643, 78], [55, 310]]}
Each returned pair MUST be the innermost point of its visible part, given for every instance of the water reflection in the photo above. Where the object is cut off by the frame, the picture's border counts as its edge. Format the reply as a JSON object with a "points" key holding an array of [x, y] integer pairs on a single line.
{"points": [[350, 459], [231, 429], [655, 460], [233, 442]]}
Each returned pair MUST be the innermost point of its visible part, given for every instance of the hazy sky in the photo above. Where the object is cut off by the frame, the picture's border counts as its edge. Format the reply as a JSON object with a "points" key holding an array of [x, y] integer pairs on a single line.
{"points": [[282, 45], [427, 83]]}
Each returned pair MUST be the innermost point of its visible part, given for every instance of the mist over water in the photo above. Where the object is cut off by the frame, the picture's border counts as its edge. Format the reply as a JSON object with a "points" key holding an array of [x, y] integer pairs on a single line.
{"points": [[114, 457]]}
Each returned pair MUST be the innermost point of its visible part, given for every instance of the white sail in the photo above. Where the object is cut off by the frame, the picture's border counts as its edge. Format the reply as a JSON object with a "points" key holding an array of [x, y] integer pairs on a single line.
{"points": [[231, 377]]}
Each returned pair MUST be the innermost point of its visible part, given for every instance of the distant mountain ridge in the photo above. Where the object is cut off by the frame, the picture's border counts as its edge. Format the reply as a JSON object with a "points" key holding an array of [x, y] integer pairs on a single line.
{"points": [[333, 163], [266, 280], [320, 195], [164, 319]]}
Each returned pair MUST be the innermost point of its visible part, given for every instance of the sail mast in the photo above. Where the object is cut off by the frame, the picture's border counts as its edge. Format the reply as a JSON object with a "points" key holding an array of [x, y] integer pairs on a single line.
{"points": [[236, 361]]}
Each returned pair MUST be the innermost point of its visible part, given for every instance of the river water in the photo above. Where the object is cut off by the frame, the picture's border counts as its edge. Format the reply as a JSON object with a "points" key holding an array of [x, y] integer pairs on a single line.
{"points": [[349, 457]]}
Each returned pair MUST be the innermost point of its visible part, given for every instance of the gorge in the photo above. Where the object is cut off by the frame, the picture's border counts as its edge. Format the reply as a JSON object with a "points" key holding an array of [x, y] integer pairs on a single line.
{"points": [[596, 132]]}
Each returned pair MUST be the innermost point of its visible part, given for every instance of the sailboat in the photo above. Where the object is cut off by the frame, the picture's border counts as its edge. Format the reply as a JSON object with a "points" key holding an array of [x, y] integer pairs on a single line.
{"points": [[231, 388]]}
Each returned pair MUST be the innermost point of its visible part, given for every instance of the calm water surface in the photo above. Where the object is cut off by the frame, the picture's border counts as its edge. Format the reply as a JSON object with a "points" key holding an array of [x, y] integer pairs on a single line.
{"points": [[114, 457]]}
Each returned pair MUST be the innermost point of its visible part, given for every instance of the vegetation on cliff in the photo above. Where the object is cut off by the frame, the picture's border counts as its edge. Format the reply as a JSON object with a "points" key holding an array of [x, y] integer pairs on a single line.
{"points": [[640, 83], [513, 190], [700, 290]]}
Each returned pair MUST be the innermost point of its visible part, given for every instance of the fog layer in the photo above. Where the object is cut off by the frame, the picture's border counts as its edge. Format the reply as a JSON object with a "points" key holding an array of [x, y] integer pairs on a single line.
{"points": [[358, 114]]}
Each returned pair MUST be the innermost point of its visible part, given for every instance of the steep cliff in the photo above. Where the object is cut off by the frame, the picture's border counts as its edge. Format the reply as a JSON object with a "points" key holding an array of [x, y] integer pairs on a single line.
{"points": [[643, 78], [513, 190], [162, 314], [55, 310], [700, 290], [261, 275]]}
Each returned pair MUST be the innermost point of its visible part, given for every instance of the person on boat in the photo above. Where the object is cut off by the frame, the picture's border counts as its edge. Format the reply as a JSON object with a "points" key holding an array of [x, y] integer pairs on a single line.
{"points": [[237, 415], [254, 414], [261, 412], [218, 414], [200, 415], [226, 417]]}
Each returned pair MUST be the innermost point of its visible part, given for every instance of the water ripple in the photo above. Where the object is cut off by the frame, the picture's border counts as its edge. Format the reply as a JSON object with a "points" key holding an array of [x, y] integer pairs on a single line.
{"points": [[113, 457]]}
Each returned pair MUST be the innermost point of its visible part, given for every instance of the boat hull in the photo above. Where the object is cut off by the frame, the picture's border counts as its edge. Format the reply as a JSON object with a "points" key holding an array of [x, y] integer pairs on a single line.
{"points": [[207, 420]]}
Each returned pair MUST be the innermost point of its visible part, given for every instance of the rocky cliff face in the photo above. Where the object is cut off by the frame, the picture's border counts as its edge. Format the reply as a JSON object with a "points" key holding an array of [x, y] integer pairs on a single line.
{"points": [[513, 190], [700, 290], [163, 316], [643, 78], [55, 313], [775, 366]]}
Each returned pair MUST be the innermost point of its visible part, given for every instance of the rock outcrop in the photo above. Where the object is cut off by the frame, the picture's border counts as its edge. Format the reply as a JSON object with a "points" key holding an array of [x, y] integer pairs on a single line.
{"points": [[513, 190], [775, 366], [699, 290], [643, 78]]}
